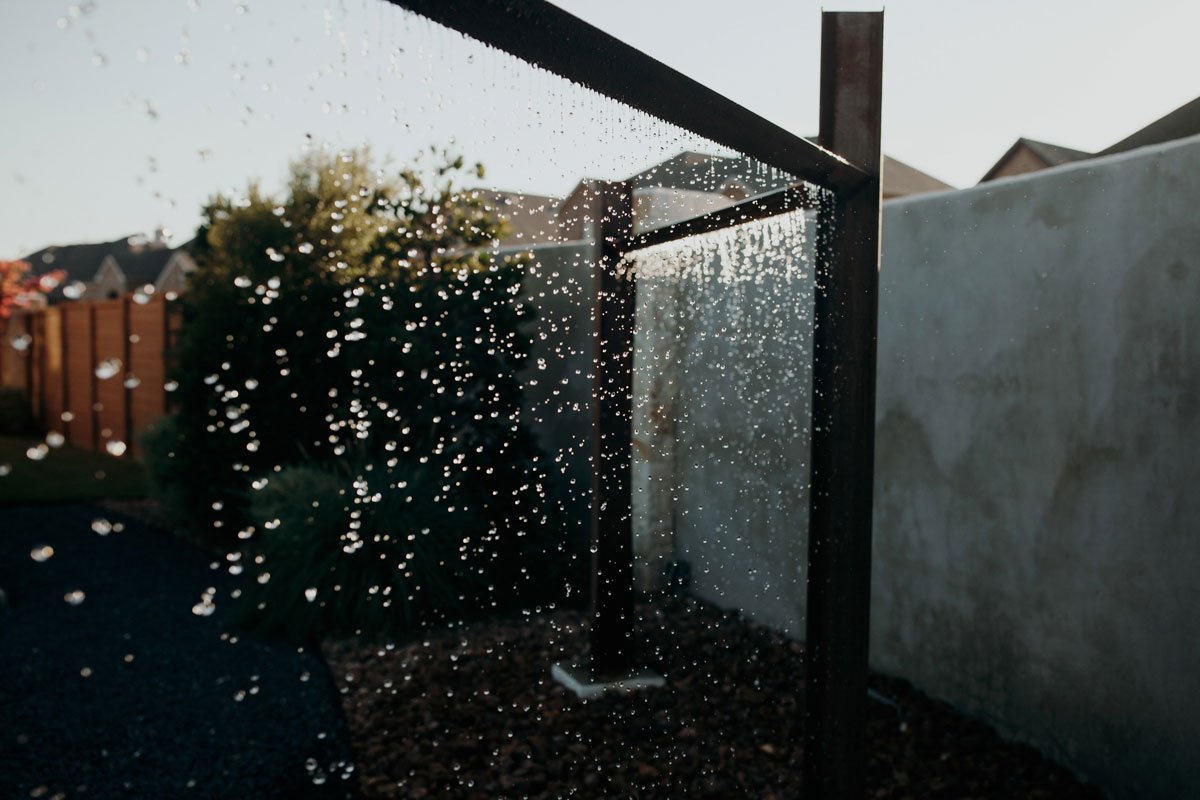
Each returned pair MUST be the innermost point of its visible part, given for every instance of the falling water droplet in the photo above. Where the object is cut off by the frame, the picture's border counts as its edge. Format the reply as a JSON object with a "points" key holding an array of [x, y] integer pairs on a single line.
{"points": [[108, 368]]}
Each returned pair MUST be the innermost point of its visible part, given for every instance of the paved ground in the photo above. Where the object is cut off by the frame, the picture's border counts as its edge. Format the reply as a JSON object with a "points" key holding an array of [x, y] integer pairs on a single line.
{"points": [[129, 694]]}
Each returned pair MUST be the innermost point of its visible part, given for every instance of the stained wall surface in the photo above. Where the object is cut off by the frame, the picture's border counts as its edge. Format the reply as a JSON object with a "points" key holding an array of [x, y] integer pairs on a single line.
{"points": [[1037, 519]]}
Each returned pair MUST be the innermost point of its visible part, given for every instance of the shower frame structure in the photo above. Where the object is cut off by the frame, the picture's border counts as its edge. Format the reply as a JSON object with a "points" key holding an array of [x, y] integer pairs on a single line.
{"points": [[846, 160]]}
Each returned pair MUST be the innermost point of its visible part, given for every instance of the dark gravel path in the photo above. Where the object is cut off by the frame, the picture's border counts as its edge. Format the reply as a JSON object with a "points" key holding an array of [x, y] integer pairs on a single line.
{"points": [[129, 693]]}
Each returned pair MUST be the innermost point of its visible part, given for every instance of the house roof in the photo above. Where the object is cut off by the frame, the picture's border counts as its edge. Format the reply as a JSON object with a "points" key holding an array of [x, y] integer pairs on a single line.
{"points": [[704, 173], [1054, 154], [140, 260], [1182, 122], [900, 179], [530, 217], [1051, 155], [80, 261], [144, 266]]}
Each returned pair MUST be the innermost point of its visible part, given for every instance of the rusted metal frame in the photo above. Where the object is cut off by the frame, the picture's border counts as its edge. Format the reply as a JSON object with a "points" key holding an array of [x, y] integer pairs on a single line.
{"points": [[769, 204], [548, 37], [843, 417], [611, 630]]}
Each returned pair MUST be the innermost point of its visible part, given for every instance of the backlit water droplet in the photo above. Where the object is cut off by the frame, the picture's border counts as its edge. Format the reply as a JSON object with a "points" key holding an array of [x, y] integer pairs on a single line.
{"points": [[108, 368]]}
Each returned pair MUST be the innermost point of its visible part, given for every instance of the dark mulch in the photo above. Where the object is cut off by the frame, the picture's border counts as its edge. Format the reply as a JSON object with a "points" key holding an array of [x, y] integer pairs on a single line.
{"points": [[474, 713], [130, 694]]}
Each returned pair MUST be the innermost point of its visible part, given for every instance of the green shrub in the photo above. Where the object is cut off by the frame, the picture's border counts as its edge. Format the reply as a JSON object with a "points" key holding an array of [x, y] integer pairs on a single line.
{"points": [[16, 413], [355, 315], [175, 481], [361, 552], [359, 331]]}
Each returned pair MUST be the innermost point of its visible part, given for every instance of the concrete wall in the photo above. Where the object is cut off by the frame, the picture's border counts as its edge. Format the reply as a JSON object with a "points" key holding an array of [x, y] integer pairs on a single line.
{"points": [[1037, 515], [722, 388]]}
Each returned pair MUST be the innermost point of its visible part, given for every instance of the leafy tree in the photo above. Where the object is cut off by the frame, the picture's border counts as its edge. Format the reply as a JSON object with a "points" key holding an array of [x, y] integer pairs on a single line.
{"points": [[365, 323], [20, 289]]}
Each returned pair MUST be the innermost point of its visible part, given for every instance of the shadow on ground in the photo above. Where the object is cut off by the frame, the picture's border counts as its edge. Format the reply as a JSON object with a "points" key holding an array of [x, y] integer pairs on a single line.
{"points": [[130, 694]]}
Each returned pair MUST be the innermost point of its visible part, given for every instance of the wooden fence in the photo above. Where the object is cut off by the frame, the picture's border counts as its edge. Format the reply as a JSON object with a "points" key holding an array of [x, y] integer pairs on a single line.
{"points": [[94, 372]]}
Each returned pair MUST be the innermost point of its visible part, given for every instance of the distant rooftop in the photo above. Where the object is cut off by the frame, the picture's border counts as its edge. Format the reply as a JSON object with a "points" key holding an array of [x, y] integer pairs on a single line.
{"points": [[1180, 123]]}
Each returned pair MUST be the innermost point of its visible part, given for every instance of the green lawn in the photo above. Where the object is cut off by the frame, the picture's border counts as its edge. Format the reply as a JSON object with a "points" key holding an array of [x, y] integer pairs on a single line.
{"points": [[66, 475]]}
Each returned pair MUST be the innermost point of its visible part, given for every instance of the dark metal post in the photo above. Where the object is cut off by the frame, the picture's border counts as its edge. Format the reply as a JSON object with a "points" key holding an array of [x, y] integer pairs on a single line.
{"points": [[612, 432], [843, 435]]}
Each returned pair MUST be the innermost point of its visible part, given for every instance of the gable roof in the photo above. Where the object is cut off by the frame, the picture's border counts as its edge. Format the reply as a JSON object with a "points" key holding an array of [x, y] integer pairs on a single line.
{"points": [[705, 173], [80, 261], [1054, 154], [1050, 154], [141, 261], [1180, 123], [530, 217], [901, 180], [144, 266]]}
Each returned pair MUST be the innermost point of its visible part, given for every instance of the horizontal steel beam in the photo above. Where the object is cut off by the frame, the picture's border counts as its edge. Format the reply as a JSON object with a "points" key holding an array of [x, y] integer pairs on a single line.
{"points": [[548, 37], [761, 206]]}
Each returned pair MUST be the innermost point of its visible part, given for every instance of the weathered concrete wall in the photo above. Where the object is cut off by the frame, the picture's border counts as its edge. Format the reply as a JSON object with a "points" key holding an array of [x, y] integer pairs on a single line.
{"points": [[656, 387], [722, 388], [1037, 517], [1037, 522]]}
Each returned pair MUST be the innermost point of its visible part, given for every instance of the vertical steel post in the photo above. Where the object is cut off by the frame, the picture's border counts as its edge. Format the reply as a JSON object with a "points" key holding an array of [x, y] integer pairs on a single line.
{"points": [[843, 435], [612, 432]]}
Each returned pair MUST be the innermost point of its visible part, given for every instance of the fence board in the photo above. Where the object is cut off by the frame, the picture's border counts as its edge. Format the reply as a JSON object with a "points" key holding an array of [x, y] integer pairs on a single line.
{"points": [[54, 397], [147, 365], [69, 342], [110, 331], [80, 379]]}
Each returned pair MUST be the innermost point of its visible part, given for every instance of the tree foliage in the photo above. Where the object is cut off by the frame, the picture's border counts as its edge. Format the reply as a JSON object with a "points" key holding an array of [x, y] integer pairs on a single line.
{"points": [[20, 289], [363, 322]]}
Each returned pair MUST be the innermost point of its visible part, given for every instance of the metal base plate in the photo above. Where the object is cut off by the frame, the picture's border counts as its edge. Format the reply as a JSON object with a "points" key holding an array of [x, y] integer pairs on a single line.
{"points": [[580, 680]]}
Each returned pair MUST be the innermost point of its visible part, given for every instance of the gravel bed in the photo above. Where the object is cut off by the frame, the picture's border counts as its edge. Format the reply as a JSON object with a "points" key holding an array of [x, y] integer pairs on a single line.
{"points": [[127, 693], [473, 713]]}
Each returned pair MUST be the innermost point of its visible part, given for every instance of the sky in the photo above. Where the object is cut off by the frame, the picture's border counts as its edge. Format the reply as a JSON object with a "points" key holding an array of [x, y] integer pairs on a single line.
{"points": [[125, 115]]}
